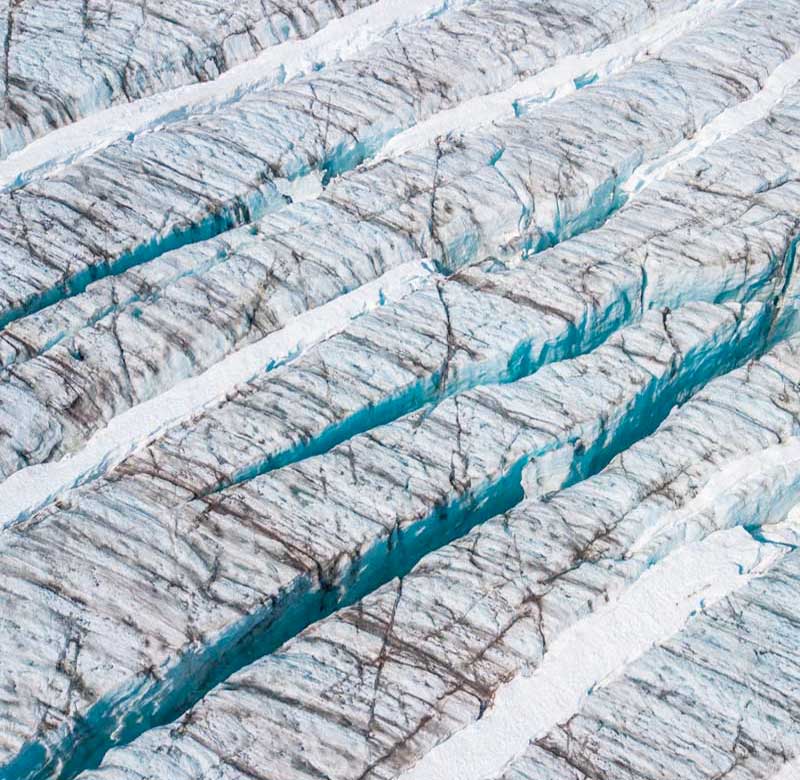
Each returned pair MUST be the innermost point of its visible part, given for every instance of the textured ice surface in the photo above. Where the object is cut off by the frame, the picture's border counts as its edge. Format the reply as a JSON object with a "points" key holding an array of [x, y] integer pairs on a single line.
{"points": [[473, 615], [717, 700], [573, 431], [64, 59], [200, 175], [385, 496], [137, 335]]}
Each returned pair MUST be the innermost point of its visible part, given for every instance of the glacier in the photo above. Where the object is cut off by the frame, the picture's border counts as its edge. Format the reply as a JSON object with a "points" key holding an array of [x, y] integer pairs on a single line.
{"points": [[400, 390], [66, 60], [525, 216], [754, 626], [538, 570]]}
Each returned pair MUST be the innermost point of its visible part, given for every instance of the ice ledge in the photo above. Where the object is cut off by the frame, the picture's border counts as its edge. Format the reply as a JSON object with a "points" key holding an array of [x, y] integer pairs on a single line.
{"points": [[339, 39], [656, 607]]}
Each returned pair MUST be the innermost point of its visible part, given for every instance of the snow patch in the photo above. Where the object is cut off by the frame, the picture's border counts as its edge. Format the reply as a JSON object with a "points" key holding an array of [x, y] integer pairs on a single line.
{"points": [[567, 76], [340, 39]]}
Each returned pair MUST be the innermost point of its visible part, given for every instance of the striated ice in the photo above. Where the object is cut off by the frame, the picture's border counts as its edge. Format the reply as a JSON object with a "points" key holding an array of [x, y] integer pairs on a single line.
{"points": [[717, 700], [471, 616], [64, 59], [417, 398], [75, 365], [204, 174], [249, 561]]}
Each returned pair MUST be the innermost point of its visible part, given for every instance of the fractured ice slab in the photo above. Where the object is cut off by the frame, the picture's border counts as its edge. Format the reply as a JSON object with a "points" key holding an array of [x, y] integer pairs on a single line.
{"points": [[64, 59], [340, 563], [191, 591], [717, 700], [200, 176], [364, 693], [175, 316]]}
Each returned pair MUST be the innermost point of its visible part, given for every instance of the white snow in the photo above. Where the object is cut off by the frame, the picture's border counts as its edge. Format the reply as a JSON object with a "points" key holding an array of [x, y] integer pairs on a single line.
{"points": [[557, 81], [726, 124], [339, 39], [790, 771]]}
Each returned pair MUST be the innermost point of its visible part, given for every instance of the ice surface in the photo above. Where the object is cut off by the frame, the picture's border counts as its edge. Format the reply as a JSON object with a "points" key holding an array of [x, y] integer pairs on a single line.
{"points": [[92, 356], [228, 580], [717, 699], [419, 404], [65, 59], [193, 178], [473, 615]]}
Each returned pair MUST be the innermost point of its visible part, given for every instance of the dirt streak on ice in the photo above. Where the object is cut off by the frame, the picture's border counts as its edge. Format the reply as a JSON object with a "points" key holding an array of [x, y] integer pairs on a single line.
{"points": [[558, 81], [338, 40]]}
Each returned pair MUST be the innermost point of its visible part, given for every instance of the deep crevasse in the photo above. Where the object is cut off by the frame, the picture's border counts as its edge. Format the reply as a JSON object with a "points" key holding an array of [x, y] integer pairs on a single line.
{"points": [[424, 507], [475, 614], [666, 358], [501, 316]]}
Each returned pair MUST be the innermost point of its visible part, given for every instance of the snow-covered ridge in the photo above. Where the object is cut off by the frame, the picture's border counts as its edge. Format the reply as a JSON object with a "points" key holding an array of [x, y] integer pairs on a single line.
{"points": [[339, 38], [569, 74], [66, 59]]}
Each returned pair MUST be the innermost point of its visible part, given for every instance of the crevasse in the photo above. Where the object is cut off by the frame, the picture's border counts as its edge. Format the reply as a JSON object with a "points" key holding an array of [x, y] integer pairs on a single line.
{"points": [[162, 696]]}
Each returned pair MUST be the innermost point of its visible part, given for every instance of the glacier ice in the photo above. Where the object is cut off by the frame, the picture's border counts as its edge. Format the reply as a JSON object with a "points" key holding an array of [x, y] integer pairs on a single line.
{"points": [[192, 307], [242, 582], [341, 560], [201, 175], [716, 700], [64, 59], [472, 615]]}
